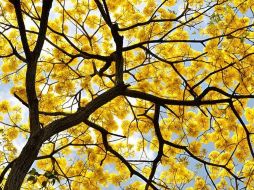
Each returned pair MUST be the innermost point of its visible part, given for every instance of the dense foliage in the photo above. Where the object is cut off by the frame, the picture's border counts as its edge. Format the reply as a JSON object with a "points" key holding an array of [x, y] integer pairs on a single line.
{"points": [[127, 94]]}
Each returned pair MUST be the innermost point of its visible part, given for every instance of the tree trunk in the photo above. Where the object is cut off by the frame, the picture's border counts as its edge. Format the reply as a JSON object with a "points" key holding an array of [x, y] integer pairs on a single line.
{"points": [[23, 163]]}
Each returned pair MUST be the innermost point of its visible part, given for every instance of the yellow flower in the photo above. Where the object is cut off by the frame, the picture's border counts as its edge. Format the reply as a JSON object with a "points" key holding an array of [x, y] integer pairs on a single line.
{"points": [[12, 133], [200, 183], [4, 106], [195, 147], [41, 179], [44, 164], [170, 2]]}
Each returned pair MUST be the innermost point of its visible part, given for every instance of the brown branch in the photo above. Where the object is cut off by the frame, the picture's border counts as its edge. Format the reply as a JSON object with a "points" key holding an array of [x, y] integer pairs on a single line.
{"points": [[161, 41], [65, 123], [162, 101], [244, 127], [43, 28], [118, 39], [22, 28], [219, 70], [31, 69], [207, 172], [104, 13], [119, 156], [82, 53], [6, 170], [161, 144]]}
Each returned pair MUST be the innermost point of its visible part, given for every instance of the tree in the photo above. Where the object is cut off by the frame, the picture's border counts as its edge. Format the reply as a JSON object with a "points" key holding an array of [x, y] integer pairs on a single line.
{"points": [[127, 94]]}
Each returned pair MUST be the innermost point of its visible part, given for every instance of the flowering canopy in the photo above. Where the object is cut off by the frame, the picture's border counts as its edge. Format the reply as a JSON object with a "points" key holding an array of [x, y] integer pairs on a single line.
{"points": [[127, 94]]}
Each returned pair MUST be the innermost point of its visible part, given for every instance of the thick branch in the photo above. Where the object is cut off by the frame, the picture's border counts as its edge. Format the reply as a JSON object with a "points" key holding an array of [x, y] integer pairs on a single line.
{"points": [[103, 12], [118, 39], [43, 28], [31, 70], [64, 123], [22, 164], [5, 171], [162, 101], [22, 28]]}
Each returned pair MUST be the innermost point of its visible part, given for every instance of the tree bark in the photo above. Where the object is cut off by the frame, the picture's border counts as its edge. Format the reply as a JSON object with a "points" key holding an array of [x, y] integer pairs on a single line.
{"points": [[29, 153], [23, 163]]}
